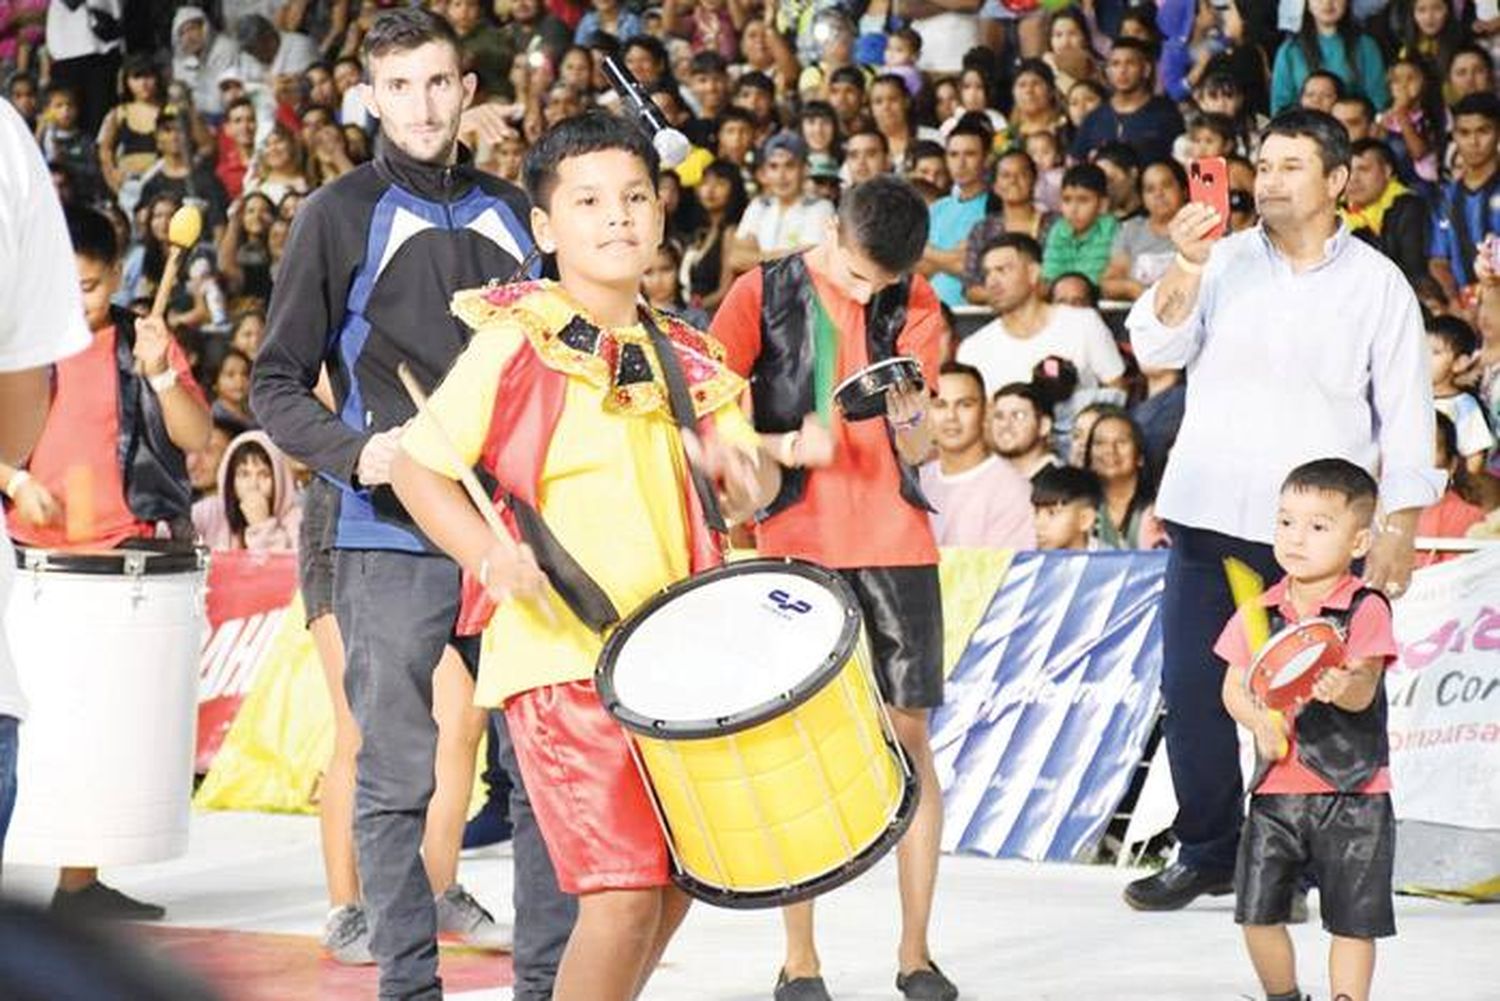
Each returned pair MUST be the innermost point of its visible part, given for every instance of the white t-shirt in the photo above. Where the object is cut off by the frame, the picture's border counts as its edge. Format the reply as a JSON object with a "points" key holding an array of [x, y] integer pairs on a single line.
{"points": [[1474, 435], [41, 311], [69, 35], [1072, 332], [778, 228], [945, 39]]}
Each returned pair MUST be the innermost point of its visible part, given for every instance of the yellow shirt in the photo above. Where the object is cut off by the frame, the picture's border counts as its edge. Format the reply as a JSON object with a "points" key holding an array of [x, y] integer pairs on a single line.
{"points": [[612, 491]]}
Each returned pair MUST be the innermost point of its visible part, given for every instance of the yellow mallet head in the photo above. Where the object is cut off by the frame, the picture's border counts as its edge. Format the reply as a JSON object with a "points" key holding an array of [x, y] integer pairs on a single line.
{"points": [[185, 228]]}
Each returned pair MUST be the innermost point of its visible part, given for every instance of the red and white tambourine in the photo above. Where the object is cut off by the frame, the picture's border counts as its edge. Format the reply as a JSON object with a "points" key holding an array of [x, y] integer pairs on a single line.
{"points": [[1285, 670]]}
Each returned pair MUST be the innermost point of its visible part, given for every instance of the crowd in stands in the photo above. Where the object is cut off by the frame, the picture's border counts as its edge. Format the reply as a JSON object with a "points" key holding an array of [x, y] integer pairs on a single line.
{"points": [[1051, 140]]}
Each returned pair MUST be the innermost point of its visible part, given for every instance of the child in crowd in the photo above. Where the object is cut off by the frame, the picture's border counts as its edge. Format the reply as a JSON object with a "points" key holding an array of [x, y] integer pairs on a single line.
{"points": [[1065, 503], [1320, 801], [1046, 151], [603, 440], [64, 142], [1212, 135], [1084, 239], [256, 506], [1454, 348], [662, 286], [902, 50], [1452, 516]]}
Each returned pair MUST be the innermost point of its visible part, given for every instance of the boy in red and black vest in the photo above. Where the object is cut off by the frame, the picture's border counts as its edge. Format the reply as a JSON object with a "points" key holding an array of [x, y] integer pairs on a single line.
{"points": [[1320, 801], [577, 401]]}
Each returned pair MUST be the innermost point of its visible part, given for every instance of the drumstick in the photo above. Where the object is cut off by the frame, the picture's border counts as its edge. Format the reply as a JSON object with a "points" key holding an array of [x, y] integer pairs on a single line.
{"points": [[466, 475], [1246, 587], [182, 234]]}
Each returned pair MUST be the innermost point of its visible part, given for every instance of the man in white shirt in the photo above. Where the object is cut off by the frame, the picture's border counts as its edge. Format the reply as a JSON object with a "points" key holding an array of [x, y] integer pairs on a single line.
{"points": [[266, 53], [1300, 342], [1027, 328], [41, 321], [783, 219], [980, 499]]}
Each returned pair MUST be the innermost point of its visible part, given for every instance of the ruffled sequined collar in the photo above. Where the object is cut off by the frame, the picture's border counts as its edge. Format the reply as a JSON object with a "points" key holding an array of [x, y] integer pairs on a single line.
{"points": [[617, 359]]}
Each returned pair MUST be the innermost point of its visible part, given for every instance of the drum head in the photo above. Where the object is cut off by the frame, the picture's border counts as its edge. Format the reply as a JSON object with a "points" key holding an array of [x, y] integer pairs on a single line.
{"points": [[861, 397], [1285, 671], [727, 649]]}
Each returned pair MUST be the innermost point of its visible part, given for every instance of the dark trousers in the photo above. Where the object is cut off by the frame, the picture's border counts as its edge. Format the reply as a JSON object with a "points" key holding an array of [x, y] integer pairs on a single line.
{"points": [[396, 612], [1202, 745]]}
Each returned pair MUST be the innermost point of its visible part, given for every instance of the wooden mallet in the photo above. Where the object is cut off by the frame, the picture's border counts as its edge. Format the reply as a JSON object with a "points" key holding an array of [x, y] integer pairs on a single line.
{"points": [[182, 235]]}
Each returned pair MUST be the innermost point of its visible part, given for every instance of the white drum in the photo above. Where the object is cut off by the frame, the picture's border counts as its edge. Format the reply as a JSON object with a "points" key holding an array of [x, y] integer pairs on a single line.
{"points": [[106, 646]]}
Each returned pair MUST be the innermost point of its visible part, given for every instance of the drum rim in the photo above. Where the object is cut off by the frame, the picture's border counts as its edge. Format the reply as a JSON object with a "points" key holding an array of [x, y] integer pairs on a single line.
{"points": [[721, 726], [109, 563], [1291, 628], [749, 900], [878, 366]]}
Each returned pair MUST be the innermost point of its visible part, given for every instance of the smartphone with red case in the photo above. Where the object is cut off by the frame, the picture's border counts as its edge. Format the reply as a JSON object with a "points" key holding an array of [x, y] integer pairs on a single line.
{"points": [[1208, 184]]}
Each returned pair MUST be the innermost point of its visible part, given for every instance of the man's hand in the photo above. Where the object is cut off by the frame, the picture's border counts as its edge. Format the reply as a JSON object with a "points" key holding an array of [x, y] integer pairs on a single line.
{"points": [[1389, 564], [36, 505], [376, 457], [510, 570], [152, 338], [905, 405], [1191, 231]]}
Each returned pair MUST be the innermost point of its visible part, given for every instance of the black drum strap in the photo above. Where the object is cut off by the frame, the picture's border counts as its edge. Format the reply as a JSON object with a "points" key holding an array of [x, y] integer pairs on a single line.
{"points": [[682, 412], [579, 591]]}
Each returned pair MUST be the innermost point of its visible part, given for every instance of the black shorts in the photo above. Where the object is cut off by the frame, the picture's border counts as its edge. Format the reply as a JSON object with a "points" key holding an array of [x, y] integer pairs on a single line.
{"points": [[320, 511], [903, 611], [1347, 841]]}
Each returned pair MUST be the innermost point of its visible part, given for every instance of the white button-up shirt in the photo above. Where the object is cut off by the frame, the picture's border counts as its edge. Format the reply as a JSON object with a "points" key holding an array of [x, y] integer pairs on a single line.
{"points": [[1286, 367]]}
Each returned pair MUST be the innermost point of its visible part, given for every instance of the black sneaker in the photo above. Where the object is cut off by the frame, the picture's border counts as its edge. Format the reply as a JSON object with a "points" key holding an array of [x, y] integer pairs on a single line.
{"points": [[800, 989], [1175, 887], [97, 902], [926, 985]]}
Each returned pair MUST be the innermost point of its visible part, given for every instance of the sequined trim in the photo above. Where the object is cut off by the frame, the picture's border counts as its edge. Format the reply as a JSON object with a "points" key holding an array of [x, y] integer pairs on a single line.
{"points": [[615, 359]]}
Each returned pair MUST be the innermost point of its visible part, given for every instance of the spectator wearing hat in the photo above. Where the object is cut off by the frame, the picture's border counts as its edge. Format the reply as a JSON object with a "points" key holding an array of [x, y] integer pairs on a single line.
{"points": [[784, 218], [955, 215]]}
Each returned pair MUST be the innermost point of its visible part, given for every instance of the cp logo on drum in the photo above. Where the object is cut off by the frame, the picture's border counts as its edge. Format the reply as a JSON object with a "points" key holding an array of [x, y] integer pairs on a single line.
{"points": [[785, 603]]}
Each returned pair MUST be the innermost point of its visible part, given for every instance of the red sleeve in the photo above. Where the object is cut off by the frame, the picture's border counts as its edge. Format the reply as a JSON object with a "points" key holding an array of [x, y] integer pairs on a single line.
{"points": [[178, 359], [1371, 635], [1232, 646], [925, 336], [736, 323]]}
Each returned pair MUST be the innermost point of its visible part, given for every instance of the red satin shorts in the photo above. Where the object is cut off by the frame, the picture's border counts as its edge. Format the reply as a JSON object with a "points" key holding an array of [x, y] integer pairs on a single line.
{"points": [[590, 801]]}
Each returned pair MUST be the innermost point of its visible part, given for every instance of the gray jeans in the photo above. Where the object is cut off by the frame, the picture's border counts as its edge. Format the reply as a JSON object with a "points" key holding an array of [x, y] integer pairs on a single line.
{"points": [[396, 612]]}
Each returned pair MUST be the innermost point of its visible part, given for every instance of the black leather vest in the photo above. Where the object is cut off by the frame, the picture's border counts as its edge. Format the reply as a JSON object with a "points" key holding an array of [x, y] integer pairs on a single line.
{"points": [[781, 384], [153, 468], [1345, 749]]}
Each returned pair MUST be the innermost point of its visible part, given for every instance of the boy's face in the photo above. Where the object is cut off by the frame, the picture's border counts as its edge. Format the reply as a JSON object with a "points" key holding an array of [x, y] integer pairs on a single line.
{"points": [[418, 95], [603, 220], [1063, 526], [1081, 208], [965, 160], [98, 282], [1475, 136], [1207, 142], [1354, 119], [660, 280], [898, 52], [934, 171], [711, 90], [958, 413], [1445, 362], [865, 158], [1318, 534], [23, 96], [846, 99], [63, 110], [734, 140]]}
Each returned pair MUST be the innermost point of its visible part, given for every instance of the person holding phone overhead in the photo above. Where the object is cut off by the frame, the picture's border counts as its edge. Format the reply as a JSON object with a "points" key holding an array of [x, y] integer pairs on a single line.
{"points": [[1299, 342]]}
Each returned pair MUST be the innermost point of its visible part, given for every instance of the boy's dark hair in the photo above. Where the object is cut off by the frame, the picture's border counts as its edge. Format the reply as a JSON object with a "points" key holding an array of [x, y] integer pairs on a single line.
{"points": [[590, 132], [870, 130], [735, 113], [972, 123], [54, 89], [755, 80], [1365, 104], [1337, 476], [1088, 283], [401, 29], [93, 235], [924, 148], [1022, 244], [910, 36], [1220, 125], [239, 102], [1340, 91], [1473, 49], [1121, 154], [1486, 105], [1322, 128], [1379, 148], [887, 219], [959, 368], [817, 109], [1455, 333], [1041, 405], [708, 62], [848, 74], [1056, 485], [1087, 176], [1147, 51]]}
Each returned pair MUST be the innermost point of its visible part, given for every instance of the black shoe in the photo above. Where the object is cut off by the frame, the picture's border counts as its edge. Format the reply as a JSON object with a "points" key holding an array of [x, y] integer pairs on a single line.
{"points": [[926, 985], [801, 989], [97, 902], [1175, 887]]}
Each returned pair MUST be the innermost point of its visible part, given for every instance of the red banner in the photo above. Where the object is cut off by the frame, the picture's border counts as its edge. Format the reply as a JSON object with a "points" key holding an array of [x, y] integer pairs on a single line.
{"points": [[248, 594]]}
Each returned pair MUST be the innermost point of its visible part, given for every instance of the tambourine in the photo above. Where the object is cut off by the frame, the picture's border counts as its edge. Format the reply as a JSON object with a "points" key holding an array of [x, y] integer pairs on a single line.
{"points": [[1285, 670], [861, 397]]}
